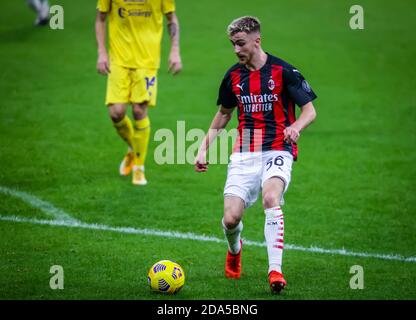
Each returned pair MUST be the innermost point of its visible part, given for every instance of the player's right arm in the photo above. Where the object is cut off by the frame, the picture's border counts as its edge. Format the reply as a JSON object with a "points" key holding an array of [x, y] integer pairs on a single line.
{"points": [[220, 121], [103, 64]]}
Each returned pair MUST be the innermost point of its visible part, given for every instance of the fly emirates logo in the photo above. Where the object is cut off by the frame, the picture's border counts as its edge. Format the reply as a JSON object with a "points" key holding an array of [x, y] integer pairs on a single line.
{"points": [[258, 102]]}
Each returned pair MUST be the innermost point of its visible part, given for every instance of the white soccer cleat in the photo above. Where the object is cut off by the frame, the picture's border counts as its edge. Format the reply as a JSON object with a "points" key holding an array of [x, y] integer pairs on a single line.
{"points": [[42, 9], [138, 176], [127, 164]]}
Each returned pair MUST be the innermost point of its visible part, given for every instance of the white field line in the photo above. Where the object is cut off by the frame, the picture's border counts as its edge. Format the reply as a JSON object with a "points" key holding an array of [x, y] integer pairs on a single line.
{"points": [[63, 219], [35, 202], [193, 236]]}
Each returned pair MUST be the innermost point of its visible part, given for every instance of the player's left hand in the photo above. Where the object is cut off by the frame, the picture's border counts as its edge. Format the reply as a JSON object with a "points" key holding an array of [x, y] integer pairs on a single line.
{"points": [[291, 134], [175, 63]]}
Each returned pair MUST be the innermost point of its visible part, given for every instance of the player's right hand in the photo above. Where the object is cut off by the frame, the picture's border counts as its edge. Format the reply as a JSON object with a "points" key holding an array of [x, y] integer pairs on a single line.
{"points": [[201, 167], [103, 65], [201, 164]]}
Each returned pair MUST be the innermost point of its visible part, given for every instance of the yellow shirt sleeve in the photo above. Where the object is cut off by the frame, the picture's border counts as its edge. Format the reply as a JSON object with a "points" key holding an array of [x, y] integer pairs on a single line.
{"points": [[104, 5], [168, 6]]}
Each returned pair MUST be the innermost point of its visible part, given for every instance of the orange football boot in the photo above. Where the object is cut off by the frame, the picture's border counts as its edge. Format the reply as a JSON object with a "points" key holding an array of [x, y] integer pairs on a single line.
{"points": [[138, 176], [233, 264], [127, 164], [277, 282]]}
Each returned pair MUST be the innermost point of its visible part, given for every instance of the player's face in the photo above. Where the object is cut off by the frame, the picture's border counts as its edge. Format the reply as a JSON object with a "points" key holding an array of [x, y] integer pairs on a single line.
{"points": [[245, 45]]}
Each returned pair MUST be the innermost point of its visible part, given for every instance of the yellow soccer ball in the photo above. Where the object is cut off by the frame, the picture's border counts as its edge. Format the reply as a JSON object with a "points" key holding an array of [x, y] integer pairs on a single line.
{"points": [[166, 276]]}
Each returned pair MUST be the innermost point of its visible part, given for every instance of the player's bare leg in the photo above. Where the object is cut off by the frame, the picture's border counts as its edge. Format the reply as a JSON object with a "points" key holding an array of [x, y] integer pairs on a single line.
{"points": [[274, 231], [233, 213], [124, 128], [141, 138]]}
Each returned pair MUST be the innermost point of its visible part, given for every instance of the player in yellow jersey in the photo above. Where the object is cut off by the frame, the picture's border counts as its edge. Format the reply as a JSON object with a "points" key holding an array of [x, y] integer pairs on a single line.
{"points": [[135, 33]]}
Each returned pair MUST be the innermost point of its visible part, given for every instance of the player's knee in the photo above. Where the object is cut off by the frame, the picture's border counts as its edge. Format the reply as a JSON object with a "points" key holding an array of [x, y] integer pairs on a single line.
{"points": [[271, 199], [231, 218], [140, 110], [116, 114], [230, 222]]}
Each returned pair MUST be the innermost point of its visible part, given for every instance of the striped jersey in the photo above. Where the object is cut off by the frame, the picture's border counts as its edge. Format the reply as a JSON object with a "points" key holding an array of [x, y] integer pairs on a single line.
{"points": [[265, 100]]}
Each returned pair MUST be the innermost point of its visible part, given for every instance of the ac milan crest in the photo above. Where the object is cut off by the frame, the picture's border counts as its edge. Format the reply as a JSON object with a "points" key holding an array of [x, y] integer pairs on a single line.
{"points": [[271, 84]]}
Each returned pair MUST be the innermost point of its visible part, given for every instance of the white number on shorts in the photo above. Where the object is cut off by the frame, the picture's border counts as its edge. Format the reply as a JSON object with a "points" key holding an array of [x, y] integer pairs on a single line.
{"points": [[278, 161]]}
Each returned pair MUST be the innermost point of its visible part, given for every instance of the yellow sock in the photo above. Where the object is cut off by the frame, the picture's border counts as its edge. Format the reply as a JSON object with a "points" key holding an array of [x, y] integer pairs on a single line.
{"points": [[141, 137], [125, 130]]}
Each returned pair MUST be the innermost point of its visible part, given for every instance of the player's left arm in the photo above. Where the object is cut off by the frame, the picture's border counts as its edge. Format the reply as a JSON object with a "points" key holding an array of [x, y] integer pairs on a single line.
{"points": [[306, 117], [302, 94], [175, 62]]}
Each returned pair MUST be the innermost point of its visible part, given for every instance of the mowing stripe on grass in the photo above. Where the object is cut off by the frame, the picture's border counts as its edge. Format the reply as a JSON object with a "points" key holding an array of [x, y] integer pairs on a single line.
{"points": [[192, 236]]}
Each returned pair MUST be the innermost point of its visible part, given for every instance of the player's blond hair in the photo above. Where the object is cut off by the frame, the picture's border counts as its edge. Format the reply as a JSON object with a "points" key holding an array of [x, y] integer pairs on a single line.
{"points": [[247, 24]]}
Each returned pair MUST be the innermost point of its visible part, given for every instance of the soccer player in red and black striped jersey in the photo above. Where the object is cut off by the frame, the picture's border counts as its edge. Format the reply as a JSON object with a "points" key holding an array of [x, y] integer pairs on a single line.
{"points": [[264, 89]]}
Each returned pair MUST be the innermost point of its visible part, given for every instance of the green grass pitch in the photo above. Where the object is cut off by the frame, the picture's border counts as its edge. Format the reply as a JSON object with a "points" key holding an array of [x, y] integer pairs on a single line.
{"points": [[353, 187]]}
